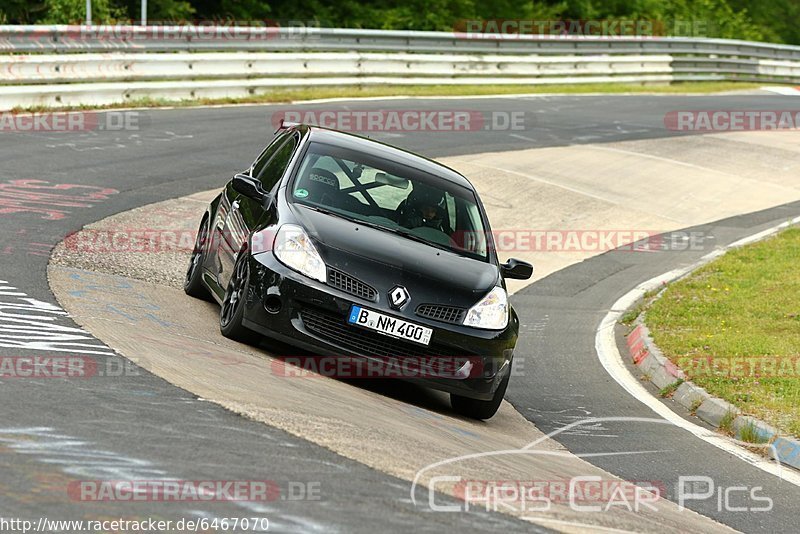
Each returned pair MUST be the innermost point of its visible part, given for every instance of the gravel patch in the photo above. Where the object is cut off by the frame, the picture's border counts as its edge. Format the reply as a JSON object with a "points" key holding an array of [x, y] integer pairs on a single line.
{"points": [[151, 243]]}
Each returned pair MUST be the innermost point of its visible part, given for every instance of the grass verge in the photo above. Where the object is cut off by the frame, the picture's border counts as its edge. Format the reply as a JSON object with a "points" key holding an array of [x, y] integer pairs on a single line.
{"points": [[668, 391], [734, 327], [313, 93]]}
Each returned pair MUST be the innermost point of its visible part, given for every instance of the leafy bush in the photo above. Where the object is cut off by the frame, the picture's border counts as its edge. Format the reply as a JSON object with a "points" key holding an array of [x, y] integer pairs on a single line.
{"points": [[74, 12], [773, 20]]}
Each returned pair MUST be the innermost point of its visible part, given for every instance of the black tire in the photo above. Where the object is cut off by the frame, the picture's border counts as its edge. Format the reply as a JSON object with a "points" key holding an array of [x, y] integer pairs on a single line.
{"points": [[231, 312], [480, 409], [193, 282]]}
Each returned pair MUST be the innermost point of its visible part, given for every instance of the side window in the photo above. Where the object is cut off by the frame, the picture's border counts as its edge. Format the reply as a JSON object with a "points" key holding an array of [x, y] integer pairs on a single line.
{"points": [[270, 173], [268, 152]]}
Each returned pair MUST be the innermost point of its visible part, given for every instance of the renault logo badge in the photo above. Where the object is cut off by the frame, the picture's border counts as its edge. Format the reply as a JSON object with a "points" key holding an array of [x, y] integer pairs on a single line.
{"points": [[398, 297]]}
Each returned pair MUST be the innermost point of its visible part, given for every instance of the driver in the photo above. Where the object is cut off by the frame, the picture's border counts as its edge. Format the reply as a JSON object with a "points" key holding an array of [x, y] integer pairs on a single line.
{"points": [[424, 207]]}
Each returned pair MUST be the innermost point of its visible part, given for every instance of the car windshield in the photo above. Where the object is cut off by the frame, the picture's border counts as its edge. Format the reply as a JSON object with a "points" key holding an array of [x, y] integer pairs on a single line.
{"points": [[391, 197]]}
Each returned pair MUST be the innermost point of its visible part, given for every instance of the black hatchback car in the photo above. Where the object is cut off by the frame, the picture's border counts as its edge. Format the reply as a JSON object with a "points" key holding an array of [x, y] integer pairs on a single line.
{"points": [[353, 249]]}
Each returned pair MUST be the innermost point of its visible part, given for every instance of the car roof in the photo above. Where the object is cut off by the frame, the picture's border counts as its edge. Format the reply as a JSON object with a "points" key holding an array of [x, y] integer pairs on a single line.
{"points": [[373, 147]]}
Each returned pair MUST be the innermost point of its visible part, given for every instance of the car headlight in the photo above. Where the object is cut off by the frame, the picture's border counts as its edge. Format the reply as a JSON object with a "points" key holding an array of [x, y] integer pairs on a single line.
{"points": [[294, 249], [491, 312]]}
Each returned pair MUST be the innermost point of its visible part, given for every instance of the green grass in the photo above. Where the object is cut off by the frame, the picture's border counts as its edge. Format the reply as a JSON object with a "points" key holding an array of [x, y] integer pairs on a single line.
{"points": [[310, 93], [630, 316], [749, 434], [669, 390], [734, 327], [726, 423]]}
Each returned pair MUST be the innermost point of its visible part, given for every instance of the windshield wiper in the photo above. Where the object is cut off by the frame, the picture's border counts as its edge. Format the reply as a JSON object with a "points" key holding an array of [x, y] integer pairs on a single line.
{"points": [[395, 231], [418, 239], [404, 233], [328, 212]]}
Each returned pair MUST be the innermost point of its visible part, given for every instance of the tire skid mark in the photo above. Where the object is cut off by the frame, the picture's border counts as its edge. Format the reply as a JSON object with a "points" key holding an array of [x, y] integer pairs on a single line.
{"points": [[48, 199]]}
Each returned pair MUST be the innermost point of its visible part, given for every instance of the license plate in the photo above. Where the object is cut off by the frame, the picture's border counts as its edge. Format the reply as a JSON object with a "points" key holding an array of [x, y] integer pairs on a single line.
{"points": [[390, 326]]}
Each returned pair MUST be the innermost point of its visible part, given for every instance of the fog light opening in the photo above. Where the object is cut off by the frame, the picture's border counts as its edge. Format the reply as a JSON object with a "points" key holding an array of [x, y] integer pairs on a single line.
{"points": [[272, 304]]}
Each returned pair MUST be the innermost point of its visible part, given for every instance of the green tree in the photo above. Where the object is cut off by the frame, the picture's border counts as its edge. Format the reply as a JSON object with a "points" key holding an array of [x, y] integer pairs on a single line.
{"points": [[717, 17], [159, 10], [770, 20], [20, 11], [170, 10], [74, 12], [708, 18], [779, 19]]}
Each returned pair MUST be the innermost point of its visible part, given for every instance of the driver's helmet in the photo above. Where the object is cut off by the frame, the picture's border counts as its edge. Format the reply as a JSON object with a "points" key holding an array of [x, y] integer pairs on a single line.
{"points": [[424, 207]]}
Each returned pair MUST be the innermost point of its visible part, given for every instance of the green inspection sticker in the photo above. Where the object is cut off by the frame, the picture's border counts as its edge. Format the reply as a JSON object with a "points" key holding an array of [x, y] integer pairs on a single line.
{"points": [[301, 193]]}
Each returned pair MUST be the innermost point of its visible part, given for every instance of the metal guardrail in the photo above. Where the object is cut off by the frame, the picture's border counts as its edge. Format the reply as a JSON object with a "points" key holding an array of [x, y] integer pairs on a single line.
{"points": [[66, 39], [111, 64], [187, 66]]}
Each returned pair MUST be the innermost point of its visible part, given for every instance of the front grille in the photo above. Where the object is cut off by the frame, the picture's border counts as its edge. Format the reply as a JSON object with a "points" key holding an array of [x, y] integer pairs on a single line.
{"points": [[445, 314], [351, 285], [333, 327]]}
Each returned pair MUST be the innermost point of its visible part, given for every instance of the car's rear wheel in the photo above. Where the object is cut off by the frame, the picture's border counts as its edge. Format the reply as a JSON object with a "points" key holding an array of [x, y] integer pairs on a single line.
{"points": [[231, 313], [193, 283], [480, 409]]}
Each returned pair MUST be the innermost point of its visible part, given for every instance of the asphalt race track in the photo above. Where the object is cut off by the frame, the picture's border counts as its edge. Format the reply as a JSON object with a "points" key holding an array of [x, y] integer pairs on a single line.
{"points": [[138, 426]]}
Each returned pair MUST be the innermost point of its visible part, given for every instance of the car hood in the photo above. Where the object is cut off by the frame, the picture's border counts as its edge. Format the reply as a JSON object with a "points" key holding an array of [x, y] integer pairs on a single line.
{"points": [[384, 260]]}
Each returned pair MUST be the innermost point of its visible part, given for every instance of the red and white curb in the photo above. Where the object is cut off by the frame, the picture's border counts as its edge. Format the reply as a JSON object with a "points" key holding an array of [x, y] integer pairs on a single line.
{"points": [[789, 91], [663, 373], [611, 359]]}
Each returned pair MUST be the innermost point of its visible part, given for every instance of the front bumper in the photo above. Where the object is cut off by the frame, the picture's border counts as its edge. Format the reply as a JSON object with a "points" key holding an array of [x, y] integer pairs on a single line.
{"points": [[287, 306]]}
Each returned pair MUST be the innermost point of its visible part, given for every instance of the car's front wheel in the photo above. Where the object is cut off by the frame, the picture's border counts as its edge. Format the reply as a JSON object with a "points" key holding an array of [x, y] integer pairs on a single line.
{"points": [[480, 409], [193, 283], [232, 311]]}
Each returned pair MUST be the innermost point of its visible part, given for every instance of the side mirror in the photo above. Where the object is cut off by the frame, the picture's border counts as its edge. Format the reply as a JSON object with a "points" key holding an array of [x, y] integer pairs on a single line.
{"points": [[249, 187], [517, 269]]}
